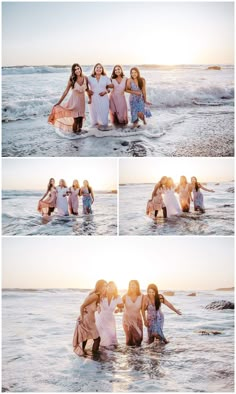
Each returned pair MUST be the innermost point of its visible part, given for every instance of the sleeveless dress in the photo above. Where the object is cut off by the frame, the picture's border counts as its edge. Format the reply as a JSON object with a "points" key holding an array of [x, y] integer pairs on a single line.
{"points": [[105, 321], [155, 320], [62, 116], [136, 103], [118, 105], [49, 202], [171, 203], [87, 201], [158, 202], [99, 107], [62, 203], [198, 200], [184, 197], [132, 321], [73, 201], [85, 329]]}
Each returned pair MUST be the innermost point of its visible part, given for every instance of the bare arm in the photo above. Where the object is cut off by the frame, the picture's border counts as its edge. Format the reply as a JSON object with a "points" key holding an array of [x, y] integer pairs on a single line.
{"points": [[92, 195], [91, 298], [41, 199], [167, 303], [207, 190], [144, 307], [64, 93], [128, 89]]}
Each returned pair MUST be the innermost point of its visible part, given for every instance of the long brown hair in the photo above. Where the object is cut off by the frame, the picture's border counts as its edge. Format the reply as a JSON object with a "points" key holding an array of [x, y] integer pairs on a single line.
{"points": [[196, 183], [140, 80], [73, 76], [103, 71], [98, 286], [115, 287], [157, 298], [50, 184], [113, 75]]}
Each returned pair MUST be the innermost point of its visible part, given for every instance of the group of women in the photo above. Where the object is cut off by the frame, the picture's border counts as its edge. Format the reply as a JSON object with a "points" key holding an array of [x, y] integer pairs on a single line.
{"points": [[66, 199], [97, 319], [69, 116], [163, 197]]}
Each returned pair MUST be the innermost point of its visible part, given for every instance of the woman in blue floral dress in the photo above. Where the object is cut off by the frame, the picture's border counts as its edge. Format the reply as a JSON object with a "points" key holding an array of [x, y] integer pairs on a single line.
{"points": [[197, 195], [154, 320], [136, 86]]}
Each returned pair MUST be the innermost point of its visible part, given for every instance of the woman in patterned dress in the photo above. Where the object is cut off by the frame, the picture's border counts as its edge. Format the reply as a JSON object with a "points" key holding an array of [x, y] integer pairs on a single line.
{"points": [[86, 192], [69, 117], [157, 197], [136, 86], [132, 320], [197, 195], [152, 315]]}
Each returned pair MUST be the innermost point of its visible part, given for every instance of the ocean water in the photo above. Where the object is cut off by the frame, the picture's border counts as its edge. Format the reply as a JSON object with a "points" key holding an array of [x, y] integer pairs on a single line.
{"points": [[217, 220], [192, 108], [37, 356], [20, 216]]}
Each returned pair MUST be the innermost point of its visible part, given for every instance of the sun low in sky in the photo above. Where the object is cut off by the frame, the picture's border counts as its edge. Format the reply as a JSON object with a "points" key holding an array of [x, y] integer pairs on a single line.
{"points": [[34, 173], [151, 170], [179, 263], [57, 33]]}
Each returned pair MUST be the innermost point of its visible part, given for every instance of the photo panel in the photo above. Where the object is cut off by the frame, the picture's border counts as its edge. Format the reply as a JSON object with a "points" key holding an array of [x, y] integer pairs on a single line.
{"points": [[59, 196], [47, 283], [176, 196], [178, 101]]}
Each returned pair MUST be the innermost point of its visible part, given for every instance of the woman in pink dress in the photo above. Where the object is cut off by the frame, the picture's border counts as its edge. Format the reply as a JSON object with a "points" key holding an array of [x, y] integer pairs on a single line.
{"points": [[105, 319], [157, 197], [132, 320], [118, 105], [86, 326], [47, 206], [184, 190], [73, 200], [69, 117]]}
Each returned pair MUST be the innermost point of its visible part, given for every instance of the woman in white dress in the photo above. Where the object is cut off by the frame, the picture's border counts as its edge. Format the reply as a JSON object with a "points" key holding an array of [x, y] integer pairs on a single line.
{"points": [[62, 203], [99, 106], [105, 319], [170, 200]]}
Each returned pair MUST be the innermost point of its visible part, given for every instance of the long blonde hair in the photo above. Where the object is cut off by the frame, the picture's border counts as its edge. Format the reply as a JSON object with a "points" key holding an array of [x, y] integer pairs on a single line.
{"points": [[76, 184], [63, 182]]}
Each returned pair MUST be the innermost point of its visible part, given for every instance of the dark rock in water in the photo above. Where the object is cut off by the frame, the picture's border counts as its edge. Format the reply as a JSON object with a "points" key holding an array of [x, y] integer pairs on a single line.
{"points": [[219, 305], [208, 332], [4, 389], [227, 205], [169, 293], [216, 184], [124, 143], [214, 68], [192, 294], [137, 149], [230, 189]]}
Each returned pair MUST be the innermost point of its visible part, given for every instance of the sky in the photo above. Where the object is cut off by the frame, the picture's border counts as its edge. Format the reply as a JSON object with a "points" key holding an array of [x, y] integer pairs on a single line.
{"points": [[57, 33], [178, 263], [34, 173], [151, 170]]}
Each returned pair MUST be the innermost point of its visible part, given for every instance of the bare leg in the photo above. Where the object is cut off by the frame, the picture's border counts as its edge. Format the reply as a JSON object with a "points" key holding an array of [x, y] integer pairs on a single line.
{"points": [[96, 344], [75, 125], [80, 123], [84, 344], [150, 340], [142, 117], [164, 212], [156, 212]]}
